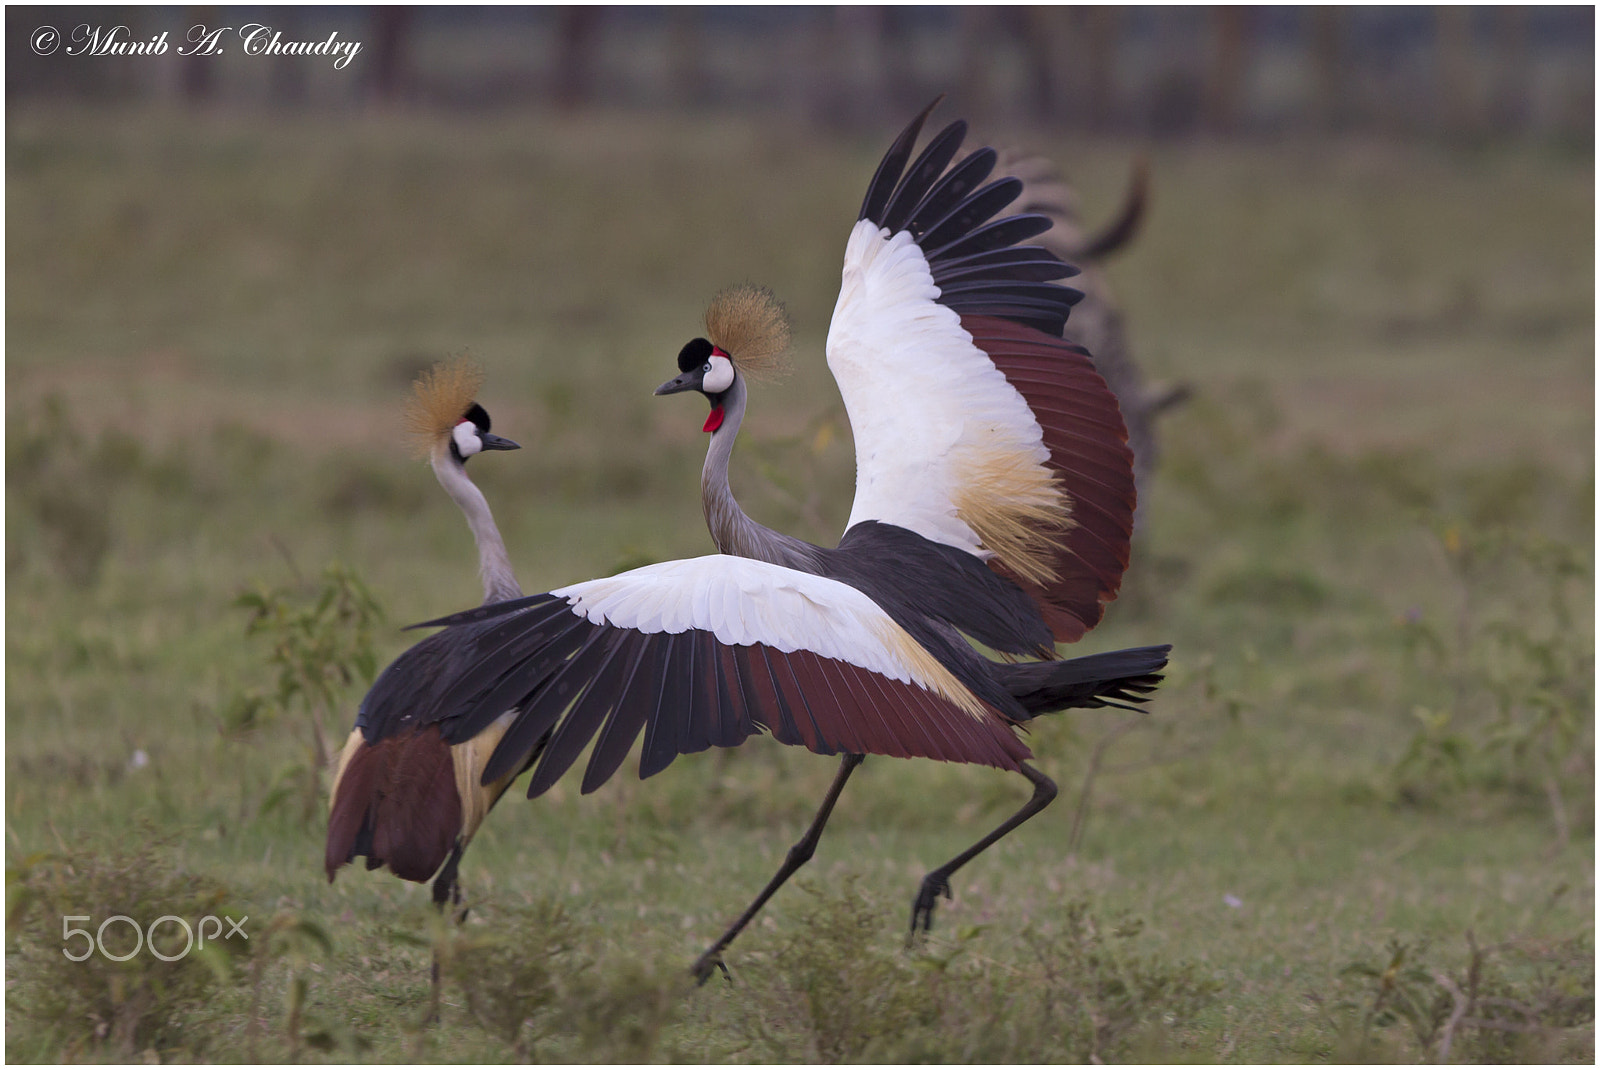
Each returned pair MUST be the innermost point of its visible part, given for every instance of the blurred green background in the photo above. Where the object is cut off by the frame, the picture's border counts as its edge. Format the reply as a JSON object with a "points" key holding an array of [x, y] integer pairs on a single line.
{"points": [[1357, 821]]}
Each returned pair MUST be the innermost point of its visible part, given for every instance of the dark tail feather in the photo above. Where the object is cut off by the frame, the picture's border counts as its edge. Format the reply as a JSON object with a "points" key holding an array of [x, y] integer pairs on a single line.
{"points": [[1112, 679], [1122, 229], [395, 801]]}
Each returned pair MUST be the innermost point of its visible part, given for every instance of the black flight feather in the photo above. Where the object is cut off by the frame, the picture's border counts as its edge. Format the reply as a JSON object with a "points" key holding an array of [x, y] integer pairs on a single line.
{"points": [[997, 235], [1046, 293], [558, 698], [733, 715], [1049, 319], [483, 661], [674, 694], [490, 611], [599, 702], [924, 172], [531, 686], [504, 676], [997, 259], [632, 708], [951, 190], [972, 213], [1021, 271], [697, 729], [887, 177]]}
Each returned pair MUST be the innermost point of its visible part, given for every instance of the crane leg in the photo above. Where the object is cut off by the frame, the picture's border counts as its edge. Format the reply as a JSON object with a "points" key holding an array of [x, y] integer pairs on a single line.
{"points": [[446, 889], [798, 856], [446, 886], [937, 883]]}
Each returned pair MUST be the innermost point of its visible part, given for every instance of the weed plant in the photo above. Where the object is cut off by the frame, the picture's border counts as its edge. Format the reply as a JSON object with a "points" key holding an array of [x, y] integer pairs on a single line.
{"points": [[321, 646], [1518, 1002], [843, 989]]}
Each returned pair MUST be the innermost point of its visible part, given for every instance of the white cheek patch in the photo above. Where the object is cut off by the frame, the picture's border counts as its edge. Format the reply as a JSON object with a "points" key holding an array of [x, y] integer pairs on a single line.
{"points": [[466, 438], [720, 377]]}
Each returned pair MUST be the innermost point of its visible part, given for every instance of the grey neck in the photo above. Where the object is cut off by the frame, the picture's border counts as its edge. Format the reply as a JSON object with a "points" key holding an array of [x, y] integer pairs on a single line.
{"points": [[494, 566], [733, 531]]}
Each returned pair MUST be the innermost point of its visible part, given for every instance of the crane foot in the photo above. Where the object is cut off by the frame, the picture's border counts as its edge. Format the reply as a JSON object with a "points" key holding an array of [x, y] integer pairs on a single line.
{"points": [[708, 964], [934, 885]]}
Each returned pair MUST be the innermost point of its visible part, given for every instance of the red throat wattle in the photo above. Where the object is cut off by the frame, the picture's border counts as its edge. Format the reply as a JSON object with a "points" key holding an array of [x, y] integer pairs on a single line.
{"points": [[714, 420]]}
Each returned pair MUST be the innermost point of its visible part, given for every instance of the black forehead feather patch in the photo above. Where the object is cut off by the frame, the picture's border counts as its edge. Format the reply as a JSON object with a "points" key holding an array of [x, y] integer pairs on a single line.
{"points": [[478, 415], [694, 354]]}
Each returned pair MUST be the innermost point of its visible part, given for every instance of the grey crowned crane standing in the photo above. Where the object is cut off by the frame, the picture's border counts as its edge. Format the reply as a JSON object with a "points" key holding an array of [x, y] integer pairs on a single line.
{"points": [[402, 796], [994, 500]]}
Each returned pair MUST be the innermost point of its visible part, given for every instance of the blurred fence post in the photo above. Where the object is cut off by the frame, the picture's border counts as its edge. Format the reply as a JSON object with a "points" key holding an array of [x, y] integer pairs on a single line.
{"points": [[577, 33], [1513, 75], [1047, 40], [686, 54], [391, 33], [1326, 43], [1230, 67], [975, 24], [1103, 33], [1456, 104]]}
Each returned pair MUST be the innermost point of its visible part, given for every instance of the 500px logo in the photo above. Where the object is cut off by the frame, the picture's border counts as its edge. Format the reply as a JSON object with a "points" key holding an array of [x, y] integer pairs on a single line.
{"points": [[147, 937]]}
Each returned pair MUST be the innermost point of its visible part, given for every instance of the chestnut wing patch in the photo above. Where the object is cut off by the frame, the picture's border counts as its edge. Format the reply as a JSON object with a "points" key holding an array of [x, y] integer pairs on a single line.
{"points": [[1088, 444]]}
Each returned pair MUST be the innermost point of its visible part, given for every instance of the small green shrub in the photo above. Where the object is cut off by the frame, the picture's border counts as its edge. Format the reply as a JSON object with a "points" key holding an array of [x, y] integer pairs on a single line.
{"points": [[1520, 1001], [298, 942], [843, 988], [321, 646], [1279, 590], [510, 968], [531, 978], [1511, 695], [66, 483], [63, 1002]]}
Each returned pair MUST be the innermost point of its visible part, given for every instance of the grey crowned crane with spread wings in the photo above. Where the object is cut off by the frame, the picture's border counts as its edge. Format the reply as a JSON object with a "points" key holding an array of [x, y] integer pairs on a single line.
{"points": [[994, 501]]}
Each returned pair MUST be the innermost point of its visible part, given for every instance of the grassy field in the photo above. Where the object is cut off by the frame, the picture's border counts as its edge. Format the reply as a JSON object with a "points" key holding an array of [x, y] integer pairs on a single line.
{"points": [[1357, 822]]}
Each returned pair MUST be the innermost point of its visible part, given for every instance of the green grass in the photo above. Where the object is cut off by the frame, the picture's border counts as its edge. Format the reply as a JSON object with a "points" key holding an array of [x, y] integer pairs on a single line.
{"points": [[1370, 543]]}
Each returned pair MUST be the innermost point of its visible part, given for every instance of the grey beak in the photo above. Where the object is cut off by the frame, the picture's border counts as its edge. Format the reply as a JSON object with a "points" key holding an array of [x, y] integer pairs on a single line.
{"points": [[495, 442], [686, 381]]}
